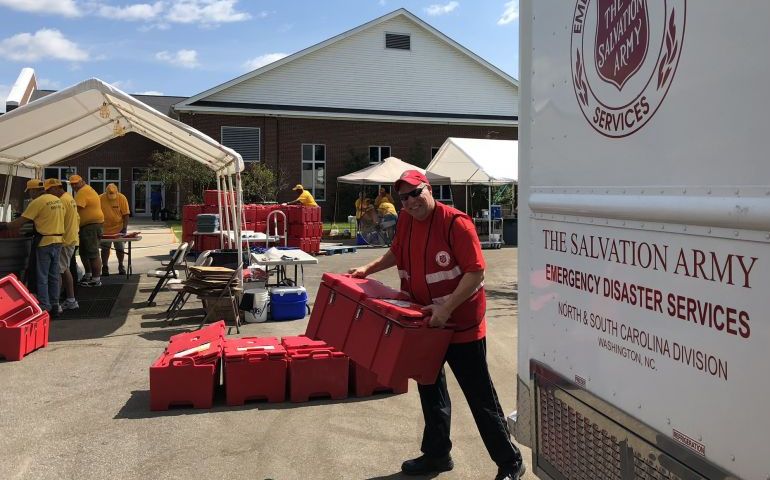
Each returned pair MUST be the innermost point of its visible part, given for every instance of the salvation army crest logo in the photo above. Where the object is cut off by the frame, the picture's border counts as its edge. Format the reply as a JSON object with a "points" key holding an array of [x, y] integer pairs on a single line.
{"points": [[442, 258], [624, 55]]}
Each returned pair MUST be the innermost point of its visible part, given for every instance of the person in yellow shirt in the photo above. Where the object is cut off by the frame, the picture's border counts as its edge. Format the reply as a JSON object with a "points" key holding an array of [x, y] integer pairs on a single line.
{"points": [[383, 196], [305, 198], [69, 242], [360, 204], [91, 230], [47, 213], [116, 212]]}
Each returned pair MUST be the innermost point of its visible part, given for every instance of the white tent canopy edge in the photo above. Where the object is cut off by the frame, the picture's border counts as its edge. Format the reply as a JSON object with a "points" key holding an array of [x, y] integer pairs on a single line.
{"points": [[478, 161], [92, 112]]}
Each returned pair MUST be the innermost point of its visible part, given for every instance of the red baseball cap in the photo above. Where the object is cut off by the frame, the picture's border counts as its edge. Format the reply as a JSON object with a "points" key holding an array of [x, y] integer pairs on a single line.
{"points": [[413, 178]]}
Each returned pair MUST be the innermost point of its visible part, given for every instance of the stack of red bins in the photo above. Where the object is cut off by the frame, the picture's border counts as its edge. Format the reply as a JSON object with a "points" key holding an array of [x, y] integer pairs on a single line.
{"points": [[315, 369], [305, 228], [190, 220], [254, 369], [378, 329], [24, 325], [187, 373]]}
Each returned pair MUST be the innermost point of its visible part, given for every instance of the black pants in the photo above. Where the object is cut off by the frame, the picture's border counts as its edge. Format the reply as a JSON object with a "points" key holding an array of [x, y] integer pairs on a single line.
{"points": [[155, 209], [468, 362]]}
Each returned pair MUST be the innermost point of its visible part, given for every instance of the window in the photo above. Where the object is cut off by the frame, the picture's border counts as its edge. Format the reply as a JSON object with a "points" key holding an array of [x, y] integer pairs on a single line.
{"points": [[244, 140], [442, 193], [62, 173], [100, 177], [398, 41], [378, 153], [314, 170]]}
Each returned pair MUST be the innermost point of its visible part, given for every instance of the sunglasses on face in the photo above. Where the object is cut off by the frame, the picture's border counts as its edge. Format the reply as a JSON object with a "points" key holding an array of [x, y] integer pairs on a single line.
{"points": [[414, 194]]}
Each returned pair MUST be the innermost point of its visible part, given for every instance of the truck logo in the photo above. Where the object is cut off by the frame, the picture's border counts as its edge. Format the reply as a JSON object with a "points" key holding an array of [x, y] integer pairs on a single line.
{"points": [[624, 54]]}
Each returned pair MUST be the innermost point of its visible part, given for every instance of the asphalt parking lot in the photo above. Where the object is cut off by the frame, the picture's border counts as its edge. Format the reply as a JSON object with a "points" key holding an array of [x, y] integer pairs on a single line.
{"points": [[79, 409]]}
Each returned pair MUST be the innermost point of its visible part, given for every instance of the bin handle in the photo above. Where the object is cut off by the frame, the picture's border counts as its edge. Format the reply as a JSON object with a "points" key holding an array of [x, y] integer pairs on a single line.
{"points": [[320, 353], [252, 358], [179, 361]]}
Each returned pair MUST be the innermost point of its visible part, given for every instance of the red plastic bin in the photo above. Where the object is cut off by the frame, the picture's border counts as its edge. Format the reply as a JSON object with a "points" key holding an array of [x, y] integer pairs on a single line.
{"points": [[342, 306], [408, 347], [363, 383], [254, 369], [24, 326], [317, 372], [302, 342], [187, 373]]}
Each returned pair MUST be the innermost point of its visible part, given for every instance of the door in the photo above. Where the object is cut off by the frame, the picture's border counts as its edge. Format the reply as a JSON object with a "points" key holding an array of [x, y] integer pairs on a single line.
{"points": [[141, 198]]}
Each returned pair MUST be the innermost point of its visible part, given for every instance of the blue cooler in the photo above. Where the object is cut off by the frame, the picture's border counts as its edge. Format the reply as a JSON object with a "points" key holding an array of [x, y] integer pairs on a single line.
{"points": [[288, 303]]}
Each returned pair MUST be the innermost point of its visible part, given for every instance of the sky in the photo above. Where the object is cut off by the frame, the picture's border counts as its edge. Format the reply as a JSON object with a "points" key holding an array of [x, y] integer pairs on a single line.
{"points": [[184, 47]]}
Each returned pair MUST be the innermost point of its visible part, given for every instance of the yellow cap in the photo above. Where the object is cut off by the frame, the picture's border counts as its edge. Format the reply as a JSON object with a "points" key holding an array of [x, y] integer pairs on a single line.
{"points": [[34, 184], [75, 178], [298, 187], [112, 190], [51, 182]]}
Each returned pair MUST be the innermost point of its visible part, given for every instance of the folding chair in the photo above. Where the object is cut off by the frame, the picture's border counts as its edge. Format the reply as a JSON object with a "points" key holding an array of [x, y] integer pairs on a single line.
{"points": [[177, 285], [230, 291], [164, 275]]}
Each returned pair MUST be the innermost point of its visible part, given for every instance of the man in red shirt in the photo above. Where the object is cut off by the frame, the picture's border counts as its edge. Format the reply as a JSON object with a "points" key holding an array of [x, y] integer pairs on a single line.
{"points": [[439, 261]]}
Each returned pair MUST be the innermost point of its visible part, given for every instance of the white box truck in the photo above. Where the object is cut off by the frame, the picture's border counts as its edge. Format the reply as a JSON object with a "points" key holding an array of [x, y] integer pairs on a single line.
{"points": [[644, 241]]}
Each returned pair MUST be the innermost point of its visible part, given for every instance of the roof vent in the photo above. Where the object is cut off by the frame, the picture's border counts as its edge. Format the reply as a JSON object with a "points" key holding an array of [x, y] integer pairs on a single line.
{"points": [[398, 41]]}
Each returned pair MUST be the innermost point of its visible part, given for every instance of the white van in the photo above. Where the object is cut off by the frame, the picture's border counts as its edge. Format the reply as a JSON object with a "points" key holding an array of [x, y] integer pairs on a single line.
{"points": [[644, 217]]}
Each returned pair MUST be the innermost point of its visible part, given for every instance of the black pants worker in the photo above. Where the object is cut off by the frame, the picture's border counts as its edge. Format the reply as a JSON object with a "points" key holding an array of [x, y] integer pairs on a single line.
{"points": [[468, 362]]}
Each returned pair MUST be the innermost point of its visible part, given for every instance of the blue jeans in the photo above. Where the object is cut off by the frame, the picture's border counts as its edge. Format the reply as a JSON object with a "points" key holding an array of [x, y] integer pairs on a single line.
{"points": [[48, 279]]}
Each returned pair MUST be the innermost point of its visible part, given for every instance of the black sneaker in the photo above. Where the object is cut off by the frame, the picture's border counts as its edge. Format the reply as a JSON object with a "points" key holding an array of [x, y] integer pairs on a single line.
{"points": [[121, 270], [105, 272], [425, 464], [511, 473]]}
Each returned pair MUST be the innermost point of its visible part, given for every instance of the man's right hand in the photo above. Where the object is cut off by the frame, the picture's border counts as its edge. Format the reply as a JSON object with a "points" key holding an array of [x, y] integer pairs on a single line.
{"points": [[358, 272]]}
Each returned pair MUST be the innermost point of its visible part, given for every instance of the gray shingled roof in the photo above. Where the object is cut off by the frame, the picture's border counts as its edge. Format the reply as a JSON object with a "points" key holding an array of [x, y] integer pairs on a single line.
{"points": [[161, 103]]}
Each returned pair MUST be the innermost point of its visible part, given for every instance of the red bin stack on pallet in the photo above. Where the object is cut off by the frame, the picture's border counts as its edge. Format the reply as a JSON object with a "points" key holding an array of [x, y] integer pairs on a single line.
{"points": [[305, 227], [24, 325], [315, 369], [187, 373], [254, 369]]}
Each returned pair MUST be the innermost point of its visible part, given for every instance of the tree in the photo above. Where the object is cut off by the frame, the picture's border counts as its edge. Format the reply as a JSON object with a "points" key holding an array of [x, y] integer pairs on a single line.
{"points": [[260, 183], [347, 193], [174, 168], [417, 155]]}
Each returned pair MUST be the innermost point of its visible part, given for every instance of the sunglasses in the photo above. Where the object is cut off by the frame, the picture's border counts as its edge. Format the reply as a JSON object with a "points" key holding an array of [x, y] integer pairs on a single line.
{"points": [[414, 193]]}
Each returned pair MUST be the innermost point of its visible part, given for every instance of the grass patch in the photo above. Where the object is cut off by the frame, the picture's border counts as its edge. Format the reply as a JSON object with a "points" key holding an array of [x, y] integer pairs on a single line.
{"points": [[176, 227]]}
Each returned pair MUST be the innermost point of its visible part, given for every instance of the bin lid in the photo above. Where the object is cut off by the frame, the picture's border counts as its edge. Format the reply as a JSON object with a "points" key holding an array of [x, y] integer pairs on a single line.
{"points": [[301, 341], [212, 334], [253, 346], [288, 291], [15, 296], [360, 288], [396, 309]]}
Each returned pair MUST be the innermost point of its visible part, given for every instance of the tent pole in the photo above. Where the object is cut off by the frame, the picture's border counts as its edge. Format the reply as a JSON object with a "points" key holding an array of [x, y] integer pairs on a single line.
{"points": [[489, 210], [7, 195], [221, 218]]}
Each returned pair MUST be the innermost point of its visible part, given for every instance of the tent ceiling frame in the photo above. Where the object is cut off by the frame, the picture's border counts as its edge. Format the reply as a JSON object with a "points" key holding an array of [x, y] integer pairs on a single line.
{"points": [[69, 139], [47, 131]]}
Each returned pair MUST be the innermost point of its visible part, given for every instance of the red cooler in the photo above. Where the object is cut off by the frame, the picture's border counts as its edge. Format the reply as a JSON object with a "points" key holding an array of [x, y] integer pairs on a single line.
{"points": [[254, 369], [343, 305], [317, 373], [24, 325], [364, 383], [407, 348]]}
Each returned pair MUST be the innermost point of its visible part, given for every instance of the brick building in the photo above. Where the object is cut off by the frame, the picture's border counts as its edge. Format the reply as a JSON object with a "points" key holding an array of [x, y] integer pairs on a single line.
{"points": [[394, 86]]}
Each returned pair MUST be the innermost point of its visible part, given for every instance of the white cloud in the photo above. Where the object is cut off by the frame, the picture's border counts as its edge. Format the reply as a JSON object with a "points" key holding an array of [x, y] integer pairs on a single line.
{"points": [[263, 60], [382, 3], [437, 9], [48, 84], [182, 58], [510, 14], [45, 43], [131, 13], [205, 12], [150, 92], [57, 7]]}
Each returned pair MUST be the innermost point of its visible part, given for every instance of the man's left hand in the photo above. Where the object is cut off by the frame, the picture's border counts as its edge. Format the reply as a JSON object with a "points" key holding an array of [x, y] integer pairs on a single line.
{"points": [[439, 315]]}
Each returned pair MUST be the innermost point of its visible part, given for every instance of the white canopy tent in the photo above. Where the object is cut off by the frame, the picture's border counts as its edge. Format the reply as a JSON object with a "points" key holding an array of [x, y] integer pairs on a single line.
{"points": [[475, 161], [92, 112], [387, 172]]}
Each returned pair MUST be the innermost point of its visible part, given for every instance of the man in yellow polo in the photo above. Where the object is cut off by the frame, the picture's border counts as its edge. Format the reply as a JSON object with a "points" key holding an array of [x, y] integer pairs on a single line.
{"points": [[305, 197], [91, 225], [47, 213], [115, 209], [69, 242]]}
